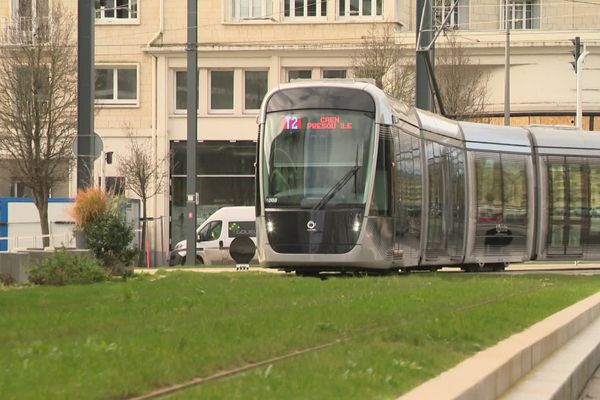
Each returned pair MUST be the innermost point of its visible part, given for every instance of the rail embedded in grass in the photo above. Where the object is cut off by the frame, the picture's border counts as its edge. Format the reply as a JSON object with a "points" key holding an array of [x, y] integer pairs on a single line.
{"points": [[120, 340]]}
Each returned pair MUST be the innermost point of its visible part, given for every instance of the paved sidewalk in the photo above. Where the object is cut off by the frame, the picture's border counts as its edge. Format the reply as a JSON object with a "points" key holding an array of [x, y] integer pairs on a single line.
{"points": [[592, 389], [498, 370]]}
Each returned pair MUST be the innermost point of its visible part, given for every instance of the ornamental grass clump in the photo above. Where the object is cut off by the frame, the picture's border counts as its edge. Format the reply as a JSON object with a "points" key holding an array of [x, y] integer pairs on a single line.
{"points": [[89, 204], [101, 218]]}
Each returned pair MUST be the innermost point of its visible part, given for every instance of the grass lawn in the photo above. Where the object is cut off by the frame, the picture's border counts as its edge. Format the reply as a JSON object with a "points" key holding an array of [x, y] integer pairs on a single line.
{"points": [[119, 339]]}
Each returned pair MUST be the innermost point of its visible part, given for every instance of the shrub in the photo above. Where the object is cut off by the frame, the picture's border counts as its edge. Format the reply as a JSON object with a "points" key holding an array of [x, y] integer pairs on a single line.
{"points": [[109, 238], [62, 268], [89, 204], [6, 279]]}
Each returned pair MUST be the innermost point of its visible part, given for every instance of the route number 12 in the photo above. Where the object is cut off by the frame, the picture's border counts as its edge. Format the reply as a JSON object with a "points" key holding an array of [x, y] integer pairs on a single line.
{"points": [[292, 122]]}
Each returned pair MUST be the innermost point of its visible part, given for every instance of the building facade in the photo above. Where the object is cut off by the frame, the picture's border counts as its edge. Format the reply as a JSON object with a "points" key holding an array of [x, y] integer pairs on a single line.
{"points": [[247, 47]]}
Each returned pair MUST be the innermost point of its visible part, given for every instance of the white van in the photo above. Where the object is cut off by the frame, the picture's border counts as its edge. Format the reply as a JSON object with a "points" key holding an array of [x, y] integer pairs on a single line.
{"points": [[216, 234]]}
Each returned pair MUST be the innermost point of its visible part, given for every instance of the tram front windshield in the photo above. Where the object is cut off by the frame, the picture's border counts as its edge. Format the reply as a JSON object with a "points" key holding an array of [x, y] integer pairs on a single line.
{"points": [[317, 159]]}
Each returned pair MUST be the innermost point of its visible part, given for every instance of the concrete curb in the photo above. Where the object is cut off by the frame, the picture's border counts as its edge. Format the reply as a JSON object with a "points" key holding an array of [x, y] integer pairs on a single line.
{"points": [[490, 373]]}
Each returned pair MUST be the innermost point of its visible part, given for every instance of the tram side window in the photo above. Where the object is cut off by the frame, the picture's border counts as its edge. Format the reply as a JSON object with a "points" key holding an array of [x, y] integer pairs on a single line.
{"points": [[408, 185], [501, 188], [380, 204], [489, 187], [515, 189], [595, 200]]}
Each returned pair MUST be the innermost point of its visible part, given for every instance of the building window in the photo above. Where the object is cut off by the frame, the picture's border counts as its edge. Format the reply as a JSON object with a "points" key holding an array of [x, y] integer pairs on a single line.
{"points": [[30, 21], [334, 74], [221, 90], [116, 9], [181, 90], [115, 185], [18, 189], [251, 9], [361, 8], [295, 74], [521, 14], [116, 85], [225, 177], [458, 18], [305, 8], [256, 84]]}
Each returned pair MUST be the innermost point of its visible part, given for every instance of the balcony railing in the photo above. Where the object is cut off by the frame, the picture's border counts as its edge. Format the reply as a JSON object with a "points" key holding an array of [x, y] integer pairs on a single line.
{"points": [[24, 30]]}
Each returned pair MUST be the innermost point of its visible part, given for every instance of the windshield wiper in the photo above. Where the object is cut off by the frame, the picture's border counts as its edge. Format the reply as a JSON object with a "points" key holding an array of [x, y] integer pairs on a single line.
{"points": [[336, 188]]}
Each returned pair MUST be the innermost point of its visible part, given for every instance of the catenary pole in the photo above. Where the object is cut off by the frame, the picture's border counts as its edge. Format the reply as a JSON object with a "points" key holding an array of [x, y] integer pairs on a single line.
{"points": [[192, 130], [424, 95], [507, 67], [85, 93]]}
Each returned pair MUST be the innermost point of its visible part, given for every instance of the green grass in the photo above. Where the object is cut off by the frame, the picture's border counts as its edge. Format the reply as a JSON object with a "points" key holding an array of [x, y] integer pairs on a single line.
{"points": [[118, 339]]}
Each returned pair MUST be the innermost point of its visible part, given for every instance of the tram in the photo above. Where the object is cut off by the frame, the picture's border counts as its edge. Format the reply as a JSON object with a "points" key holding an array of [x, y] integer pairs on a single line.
{"points": [[350, 179]]}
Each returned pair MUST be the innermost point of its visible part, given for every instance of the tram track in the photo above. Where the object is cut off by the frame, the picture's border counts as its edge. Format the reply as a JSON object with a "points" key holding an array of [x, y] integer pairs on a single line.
{"points": [[365, 330]]}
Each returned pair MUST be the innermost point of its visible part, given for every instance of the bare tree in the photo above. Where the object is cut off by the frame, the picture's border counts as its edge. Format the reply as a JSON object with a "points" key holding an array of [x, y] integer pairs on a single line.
{"points": [[463, 84], [380, 58], [144, 176], [38, 99]]}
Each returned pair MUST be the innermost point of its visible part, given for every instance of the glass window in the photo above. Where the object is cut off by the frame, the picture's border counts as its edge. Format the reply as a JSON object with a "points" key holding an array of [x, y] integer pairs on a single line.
{"points": [[116, 9], [299, 74], [221, 90], [116, 85], [225, 178], [502, 203], [457, 18], [408, 196], [318, 159], [104, 84], [115, 184], [523, 14], [211, 231], [334, 74], [127, 84], [181, 90], [380, 203], [360, 8], [216, 158], [305, 8], [251, 9], [256, 84]]}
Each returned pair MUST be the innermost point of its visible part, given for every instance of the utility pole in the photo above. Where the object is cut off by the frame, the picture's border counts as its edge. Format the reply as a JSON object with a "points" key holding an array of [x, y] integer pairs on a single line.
{"points": [[577, 64], [579, 116], [85, 93], [507, 67], [424, 95], [192, 130]]}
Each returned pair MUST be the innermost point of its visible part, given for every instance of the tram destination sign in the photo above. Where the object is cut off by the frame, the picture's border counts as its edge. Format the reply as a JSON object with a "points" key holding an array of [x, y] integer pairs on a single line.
{"points": [[325, 122]]}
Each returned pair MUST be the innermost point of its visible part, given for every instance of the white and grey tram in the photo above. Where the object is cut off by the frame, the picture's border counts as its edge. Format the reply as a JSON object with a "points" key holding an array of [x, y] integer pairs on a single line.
{"points": [[350, 179]]}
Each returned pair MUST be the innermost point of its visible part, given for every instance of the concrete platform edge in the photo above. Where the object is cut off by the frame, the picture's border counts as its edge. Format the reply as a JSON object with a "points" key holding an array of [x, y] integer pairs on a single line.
{"points": [[489, 373]]}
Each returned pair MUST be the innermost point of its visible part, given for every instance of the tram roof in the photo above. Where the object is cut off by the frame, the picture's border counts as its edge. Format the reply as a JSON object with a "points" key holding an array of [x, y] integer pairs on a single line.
{"points": [[565, 140], [437, 124]]}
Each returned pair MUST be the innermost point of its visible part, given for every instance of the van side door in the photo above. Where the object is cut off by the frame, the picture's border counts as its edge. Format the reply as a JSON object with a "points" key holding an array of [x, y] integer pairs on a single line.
{"points": [[208, 243]]}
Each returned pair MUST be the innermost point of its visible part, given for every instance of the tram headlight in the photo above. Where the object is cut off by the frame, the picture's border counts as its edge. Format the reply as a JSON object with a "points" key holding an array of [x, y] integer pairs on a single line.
{"points": [[356, 225], [270, 227]]}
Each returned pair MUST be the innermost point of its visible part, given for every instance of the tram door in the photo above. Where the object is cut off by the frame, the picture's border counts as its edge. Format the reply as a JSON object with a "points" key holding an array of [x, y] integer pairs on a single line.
{"points": [[445, 230], [567, 198]]}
